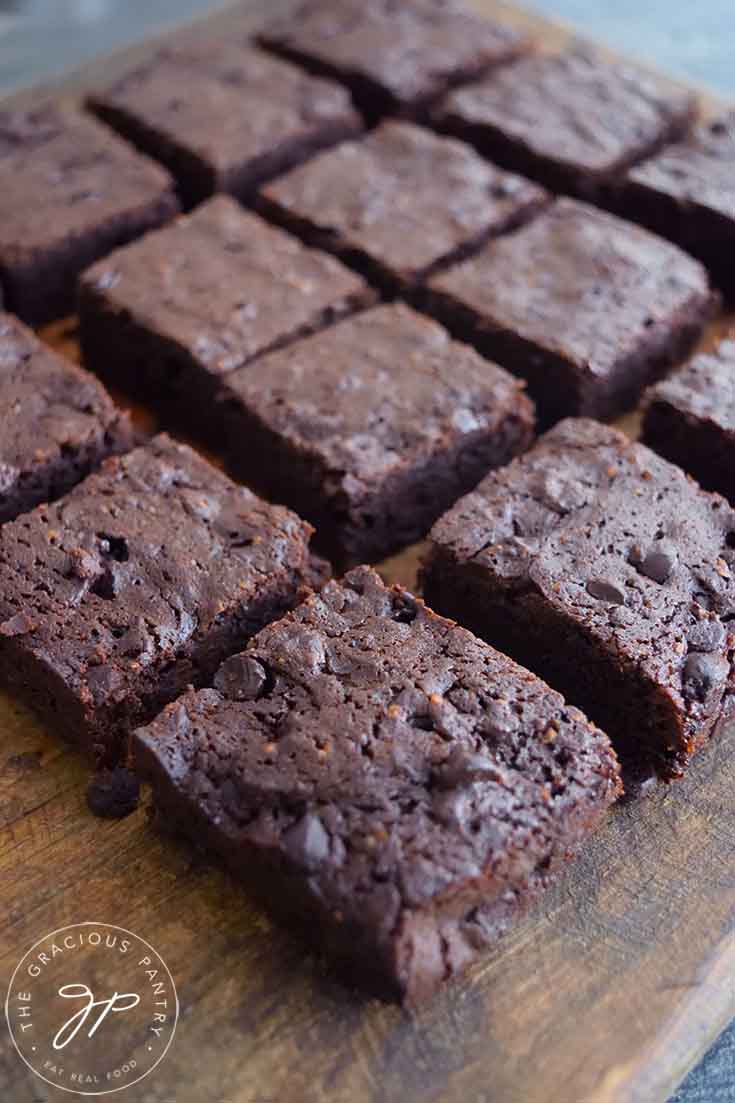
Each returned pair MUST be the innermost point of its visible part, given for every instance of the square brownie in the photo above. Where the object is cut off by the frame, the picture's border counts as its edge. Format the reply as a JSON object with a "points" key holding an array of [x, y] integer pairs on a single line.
{"points": [[71, 191], [137, 583], [168, 317], [384, 777], [573, 121], [608, 571], [58, 422], [401, 203], [395, 57], [224, 116], [687, 194], [373, 428], [690, 418], [587, 308]]}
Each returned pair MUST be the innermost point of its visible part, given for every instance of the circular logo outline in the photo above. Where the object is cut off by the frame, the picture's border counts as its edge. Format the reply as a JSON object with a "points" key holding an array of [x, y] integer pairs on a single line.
{"points": [[53, 934]]}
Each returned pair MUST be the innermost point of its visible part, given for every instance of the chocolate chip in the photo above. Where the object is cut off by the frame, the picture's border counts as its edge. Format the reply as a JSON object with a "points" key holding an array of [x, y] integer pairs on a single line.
{"points": [[463, 767], [704, 673], [706, 635], [307, 842], [604, 590], [112, 794], [242, 678], [19, 625], [404, 609]]}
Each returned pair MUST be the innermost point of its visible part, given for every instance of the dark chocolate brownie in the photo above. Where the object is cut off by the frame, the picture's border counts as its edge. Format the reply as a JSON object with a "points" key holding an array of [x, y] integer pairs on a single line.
{"points": [[401, 203], [588, 308], [168, 317], [573, 121], [57, 422], [690, 419], [137, 583], [70, 191], [393, 782], [373, 428], [687, 193], [608, 571], [395, 55], [224, 117]]}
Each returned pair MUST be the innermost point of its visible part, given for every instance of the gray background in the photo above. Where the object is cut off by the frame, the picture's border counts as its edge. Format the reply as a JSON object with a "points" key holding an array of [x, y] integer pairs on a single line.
{"points": [[693, 38]]}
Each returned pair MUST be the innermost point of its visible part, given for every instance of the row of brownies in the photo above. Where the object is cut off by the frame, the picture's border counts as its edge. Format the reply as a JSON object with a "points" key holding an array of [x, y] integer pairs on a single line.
{"points": [[376, 766]]}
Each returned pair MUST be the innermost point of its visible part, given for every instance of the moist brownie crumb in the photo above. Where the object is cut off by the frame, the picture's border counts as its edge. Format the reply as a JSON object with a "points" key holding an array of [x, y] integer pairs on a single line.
{"points": [[639, 305], [57, 424], [113, 794], [395, 57], [690, 419], [573, 121], [608, 571], [373, 428], [400, 203], [224, 117], [167, 318], [136, 584], [71, 191], [687, 194], [384, 776]]}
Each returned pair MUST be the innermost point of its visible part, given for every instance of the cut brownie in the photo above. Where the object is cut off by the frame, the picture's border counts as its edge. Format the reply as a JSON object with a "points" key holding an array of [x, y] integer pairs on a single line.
{"points": [[373, 428], [690, 419], [397, 785], [224, 117], [137, 583], [586, 307], [400, 204], [573, 121], [57, 424], [71, 191], [687, 193], [607, 570], [395, 57], [167, 318]]}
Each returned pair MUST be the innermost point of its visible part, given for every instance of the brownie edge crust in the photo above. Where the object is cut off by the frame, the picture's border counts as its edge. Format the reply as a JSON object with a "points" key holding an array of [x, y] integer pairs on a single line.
{"points": [[386, 780]]}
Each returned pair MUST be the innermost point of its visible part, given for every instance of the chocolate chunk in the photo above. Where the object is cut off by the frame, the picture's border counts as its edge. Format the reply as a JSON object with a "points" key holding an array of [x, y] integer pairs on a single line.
{"points": [[307, 842], [655, 563], [706, 635], [242, 678], [704, 673], [113, 794], [604, 590], [463, 767]]}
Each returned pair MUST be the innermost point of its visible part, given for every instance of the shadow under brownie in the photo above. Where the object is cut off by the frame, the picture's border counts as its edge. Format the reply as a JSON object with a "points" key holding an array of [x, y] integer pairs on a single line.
{"points": [[609, 572], [391, 782], [57, 423], [136, 584]]}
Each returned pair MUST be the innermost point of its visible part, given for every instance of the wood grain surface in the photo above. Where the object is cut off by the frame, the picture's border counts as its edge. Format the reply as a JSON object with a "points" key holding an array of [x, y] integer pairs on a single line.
{"points": [[607, 993]]}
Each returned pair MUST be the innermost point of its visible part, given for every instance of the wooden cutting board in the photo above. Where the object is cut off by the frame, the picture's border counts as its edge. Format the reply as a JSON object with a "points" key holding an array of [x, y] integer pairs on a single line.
{"points": [[608, 992]]}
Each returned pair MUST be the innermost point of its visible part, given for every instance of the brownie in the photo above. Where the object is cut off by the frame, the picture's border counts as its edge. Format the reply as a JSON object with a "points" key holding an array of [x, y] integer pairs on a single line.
{"points": [[373, 428], [169, 317], [687, 193], [401, 203], [690, 419], [395, 57], [224, 117], [606, 570], [386, 778], [71, 191], [588, 308], [140, 581], [58, 422], [573, 121]]}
